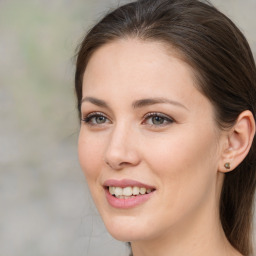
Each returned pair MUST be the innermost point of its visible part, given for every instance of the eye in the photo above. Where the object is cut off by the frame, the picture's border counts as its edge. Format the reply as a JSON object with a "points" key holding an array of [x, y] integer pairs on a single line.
{"points": [[95, 118], [157, 119]]}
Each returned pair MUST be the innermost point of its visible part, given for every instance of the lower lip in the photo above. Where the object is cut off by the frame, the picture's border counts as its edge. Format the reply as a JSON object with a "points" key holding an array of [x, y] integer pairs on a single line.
{"points": [[125, 203]]}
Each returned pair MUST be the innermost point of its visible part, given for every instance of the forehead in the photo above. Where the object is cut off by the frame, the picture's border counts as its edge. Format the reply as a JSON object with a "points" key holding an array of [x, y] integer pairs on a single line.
{"points": [[140, 63]]}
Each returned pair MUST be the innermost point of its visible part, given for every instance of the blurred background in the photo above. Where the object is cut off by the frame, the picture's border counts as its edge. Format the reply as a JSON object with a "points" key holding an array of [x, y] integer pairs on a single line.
{"points": [[45, 207]]}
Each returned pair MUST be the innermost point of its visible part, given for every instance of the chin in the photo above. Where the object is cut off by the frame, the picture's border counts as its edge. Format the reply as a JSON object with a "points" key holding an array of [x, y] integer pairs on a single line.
{"points": [[127, 236], [133, 228], [126, 228]]}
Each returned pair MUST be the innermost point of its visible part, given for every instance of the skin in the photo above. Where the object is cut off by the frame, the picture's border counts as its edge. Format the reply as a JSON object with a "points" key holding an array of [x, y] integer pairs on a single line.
{"points": [[181, 158]]}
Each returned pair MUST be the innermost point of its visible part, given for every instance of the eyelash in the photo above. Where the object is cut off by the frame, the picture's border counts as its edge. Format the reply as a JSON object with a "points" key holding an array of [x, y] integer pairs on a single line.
{"points": [[88, 119], [166, 119]]}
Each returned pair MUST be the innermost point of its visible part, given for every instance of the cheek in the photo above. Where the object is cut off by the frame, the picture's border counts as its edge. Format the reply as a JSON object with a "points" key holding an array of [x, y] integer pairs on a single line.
{"points": [[182, 150], [186, 164], [90, 153]]}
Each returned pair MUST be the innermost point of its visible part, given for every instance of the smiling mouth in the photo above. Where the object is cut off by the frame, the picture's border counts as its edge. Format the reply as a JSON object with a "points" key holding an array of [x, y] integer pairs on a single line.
{"points": [[128, 192]]}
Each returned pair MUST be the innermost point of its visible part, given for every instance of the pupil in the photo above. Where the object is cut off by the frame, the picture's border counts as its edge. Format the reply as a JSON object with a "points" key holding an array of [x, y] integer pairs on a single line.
{"points": [[100, 119], [157, 120]]}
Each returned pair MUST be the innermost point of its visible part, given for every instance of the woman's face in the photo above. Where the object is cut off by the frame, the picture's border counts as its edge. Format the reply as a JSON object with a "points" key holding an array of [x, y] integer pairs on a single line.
{"points": [[148, 137]]}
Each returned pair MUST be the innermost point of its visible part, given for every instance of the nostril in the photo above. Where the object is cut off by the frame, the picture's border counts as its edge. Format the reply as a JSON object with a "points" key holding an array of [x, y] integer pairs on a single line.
{"points": [[117, 165]]}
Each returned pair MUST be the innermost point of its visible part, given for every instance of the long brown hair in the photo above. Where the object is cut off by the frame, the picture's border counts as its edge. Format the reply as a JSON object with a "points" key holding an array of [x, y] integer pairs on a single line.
{"points": [[225, 71]]}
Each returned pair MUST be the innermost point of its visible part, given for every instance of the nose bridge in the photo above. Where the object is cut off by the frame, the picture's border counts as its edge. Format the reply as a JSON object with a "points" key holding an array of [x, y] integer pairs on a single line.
{"points": [[121, 149]]}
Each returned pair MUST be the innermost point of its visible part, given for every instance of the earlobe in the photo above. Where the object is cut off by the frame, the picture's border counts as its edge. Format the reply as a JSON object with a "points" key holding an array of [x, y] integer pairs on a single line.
{"points": [[239, 140]]}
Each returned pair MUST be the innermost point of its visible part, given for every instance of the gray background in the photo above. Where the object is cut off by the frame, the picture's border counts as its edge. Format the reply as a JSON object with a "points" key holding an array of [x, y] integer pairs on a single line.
{"points": [[45, 207]]}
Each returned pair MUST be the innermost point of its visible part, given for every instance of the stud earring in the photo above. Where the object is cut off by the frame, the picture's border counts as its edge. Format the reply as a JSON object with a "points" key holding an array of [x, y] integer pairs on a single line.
{"points": [[227, 165]]}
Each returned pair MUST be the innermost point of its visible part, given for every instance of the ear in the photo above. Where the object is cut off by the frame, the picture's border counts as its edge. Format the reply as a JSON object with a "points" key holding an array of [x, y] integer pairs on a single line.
{"points": [[238, 142]]}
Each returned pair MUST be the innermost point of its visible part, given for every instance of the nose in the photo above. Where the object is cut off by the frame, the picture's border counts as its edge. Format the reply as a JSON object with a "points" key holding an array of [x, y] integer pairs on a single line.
{"points": [[122, 149]]}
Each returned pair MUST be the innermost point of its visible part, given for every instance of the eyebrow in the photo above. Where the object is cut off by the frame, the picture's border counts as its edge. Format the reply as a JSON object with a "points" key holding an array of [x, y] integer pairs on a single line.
{"points": [[152, 101], [95, 101], [136, 104]]}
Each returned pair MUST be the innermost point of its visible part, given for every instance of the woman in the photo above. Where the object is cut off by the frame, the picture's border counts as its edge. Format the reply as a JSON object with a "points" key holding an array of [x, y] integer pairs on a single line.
{"points": [[166, 94]]}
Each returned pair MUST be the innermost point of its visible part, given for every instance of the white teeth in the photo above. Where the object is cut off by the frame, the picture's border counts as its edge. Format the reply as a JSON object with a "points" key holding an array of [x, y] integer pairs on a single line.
{"points": [[128, 192], [112, 190], [135, 191], [142, 191], [118, 191]]}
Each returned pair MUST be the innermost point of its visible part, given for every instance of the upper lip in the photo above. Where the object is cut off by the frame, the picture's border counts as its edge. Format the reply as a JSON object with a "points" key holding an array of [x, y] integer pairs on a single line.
{"points": [[126, 183]]}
